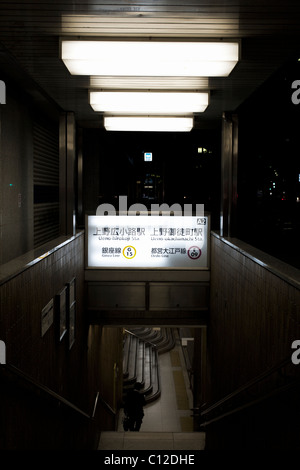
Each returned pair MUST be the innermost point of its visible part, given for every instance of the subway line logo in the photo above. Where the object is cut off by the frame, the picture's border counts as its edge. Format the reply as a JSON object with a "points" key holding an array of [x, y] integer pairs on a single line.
{"points": [[129, 252]]}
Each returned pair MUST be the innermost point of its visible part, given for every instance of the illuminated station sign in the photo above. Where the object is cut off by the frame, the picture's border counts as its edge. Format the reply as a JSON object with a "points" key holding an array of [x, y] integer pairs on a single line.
{"points": [[147, 242]]}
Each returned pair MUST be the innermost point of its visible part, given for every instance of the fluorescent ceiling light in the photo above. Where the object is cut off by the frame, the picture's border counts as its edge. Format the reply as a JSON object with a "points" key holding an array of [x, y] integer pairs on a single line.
{"points": [[149, 58], [148, 102], [149, 83], [148, 124]]}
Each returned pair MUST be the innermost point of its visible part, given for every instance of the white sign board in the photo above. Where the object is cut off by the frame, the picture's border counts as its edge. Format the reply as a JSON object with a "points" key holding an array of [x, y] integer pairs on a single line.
{"points": [[147, 241]]}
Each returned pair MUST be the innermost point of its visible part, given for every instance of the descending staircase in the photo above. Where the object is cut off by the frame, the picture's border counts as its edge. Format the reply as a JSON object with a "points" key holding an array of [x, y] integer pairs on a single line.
{"points": [[140, 358]]}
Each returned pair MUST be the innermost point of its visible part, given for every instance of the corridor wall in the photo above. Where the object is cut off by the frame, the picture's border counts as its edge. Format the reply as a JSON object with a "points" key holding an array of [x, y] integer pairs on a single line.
{"points": [[255, 313], [50, 349]]}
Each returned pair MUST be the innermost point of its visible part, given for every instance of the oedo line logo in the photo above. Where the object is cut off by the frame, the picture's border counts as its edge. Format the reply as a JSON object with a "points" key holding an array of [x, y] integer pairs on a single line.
{"points": [[194, 252], [129, 252]]}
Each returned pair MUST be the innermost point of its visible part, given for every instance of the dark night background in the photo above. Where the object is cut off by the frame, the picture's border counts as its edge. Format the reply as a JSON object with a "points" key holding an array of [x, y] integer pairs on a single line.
{"points": [[269, 167]]}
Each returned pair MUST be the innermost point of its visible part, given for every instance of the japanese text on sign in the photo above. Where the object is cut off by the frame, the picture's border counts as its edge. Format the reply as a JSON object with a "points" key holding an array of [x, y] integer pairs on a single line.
{"points": [[147, 242]]}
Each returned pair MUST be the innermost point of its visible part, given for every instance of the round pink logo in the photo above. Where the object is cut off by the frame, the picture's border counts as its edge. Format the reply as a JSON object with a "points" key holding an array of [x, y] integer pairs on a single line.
{"points": [[194, 252]]}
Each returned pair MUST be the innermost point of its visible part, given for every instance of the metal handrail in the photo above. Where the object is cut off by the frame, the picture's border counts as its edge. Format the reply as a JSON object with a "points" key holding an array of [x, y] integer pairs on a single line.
{"points": [[107, 406], [157, 373], [142, 339], [95, 405], [242, 389], [27, 378], [248, 404], [143, 364]]}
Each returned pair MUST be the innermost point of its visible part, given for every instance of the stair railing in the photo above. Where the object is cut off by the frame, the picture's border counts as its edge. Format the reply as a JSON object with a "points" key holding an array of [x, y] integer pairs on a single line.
{"points": [[204, 412], [76, 428], [50, 393], [105, 405], [141, 339]]}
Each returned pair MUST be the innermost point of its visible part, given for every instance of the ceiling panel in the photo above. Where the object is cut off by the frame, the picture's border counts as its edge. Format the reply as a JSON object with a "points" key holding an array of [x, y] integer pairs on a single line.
{"points": [[30, 33]]}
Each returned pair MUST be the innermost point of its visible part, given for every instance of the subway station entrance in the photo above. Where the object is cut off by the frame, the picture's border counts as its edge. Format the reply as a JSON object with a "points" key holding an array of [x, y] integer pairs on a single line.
{"points": [[149, 277], [162, 359]]}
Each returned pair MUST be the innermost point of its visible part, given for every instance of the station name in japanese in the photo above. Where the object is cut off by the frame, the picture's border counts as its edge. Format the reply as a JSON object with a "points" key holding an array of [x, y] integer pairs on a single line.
{"points": [[155, 232]]}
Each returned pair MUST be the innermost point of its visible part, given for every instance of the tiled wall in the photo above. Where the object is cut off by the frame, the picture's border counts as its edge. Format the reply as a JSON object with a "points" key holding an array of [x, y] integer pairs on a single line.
{"points": [[46, 358], [254, 317]]}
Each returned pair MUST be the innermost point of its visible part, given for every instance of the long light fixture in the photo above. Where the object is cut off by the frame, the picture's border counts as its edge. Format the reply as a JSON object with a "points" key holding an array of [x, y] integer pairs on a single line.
{"points": [[148, 124], [149, 58], [142, 102]]}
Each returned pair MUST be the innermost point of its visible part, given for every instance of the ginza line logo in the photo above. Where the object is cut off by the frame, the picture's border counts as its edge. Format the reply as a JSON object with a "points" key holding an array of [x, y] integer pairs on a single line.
{"points": [[2, 92]]}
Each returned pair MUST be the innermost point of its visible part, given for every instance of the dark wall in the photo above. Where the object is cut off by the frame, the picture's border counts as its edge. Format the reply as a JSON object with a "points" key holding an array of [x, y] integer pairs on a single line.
{"points": [[46, 358], [75, 371], [16, 178], [29, 169], [105, 371], [253, 320]]}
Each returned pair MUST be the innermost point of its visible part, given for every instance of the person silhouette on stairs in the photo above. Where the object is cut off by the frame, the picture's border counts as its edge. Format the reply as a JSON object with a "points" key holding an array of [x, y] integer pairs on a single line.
{"points": [[134, 408]]}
